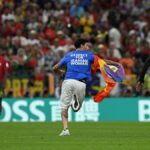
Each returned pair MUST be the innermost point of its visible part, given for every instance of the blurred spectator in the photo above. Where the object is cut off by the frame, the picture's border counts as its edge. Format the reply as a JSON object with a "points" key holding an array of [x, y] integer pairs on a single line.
{"points": [[33, 39], [76, 9], [128, 63], [20, 58], [47, 12], [113, 51], [115, 36], [19, 38], [8, 14], [50, 60]]}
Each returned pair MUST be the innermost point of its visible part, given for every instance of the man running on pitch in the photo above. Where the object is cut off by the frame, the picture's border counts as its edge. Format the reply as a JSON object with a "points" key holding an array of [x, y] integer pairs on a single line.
{"points": [[78, 72]]}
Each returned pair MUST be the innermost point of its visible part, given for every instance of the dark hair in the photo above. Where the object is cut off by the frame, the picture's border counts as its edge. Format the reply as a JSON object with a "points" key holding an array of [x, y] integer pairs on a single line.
{"points": [[80, 42]]}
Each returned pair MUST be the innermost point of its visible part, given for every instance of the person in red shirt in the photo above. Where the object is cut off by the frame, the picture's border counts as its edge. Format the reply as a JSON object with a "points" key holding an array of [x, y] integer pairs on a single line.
{"points": [[5, 69]]}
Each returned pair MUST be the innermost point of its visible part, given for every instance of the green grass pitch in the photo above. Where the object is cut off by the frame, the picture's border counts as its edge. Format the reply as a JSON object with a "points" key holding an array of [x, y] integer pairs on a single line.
{"points": [[84, 136]]}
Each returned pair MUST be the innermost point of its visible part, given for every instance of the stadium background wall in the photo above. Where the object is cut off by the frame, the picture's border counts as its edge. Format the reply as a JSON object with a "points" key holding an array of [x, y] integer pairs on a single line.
{"points": [[41, 110], [20, 85]]}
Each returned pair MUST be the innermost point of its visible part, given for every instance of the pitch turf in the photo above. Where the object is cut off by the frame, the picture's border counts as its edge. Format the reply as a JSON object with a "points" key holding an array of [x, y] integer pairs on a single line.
{"points": [[84, 136]]}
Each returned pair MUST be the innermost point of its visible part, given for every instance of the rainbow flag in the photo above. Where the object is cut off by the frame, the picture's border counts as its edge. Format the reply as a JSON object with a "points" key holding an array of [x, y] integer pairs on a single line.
{"points": [[111, 75]]}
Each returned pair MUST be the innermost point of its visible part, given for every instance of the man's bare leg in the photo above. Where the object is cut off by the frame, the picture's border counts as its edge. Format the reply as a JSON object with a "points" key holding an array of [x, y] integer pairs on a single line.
{"points": [[64, 116]]}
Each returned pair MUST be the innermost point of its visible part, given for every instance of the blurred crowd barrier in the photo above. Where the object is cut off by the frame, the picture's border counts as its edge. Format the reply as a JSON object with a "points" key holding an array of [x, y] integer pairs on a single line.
{"points": [[50, 86]]}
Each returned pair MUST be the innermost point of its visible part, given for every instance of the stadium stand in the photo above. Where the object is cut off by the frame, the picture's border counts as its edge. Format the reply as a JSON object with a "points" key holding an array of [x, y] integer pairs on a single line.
{"points": [[35, 34]]}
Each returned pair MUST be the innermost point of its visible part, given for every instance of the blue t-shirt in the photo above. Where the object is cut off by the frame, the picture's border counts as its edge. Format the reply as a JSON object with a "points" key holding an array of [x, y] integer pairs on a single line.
{"points": [[78, 64]]}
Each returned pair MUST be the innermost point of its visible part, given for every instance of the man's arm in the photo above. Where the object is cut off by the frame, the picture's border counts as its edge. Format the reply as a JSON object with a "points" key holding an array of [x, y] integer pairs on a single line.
{"points": [[141, 77], [145, 68], [110, 62], [61, 63], [58, 70]]}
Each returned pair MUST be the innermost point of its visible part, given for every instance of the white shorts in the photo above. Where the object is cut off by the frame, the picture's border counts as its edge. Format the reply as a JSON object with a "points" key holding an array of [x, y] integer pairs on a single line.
{"points": [[70, 88]]}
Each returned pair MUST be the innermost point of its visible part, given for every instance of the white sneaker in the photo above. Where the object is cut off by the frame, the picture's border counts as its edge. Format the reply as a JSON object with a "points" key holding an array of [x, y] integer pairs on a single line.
{"points": [[64, 133], [75, 105]]}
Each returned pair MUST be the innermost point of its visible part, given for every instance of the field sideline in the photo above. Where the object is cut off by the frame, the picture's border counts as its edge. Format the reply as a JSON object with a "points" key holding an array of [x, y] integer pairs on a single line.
{"points": [[84, 136]]}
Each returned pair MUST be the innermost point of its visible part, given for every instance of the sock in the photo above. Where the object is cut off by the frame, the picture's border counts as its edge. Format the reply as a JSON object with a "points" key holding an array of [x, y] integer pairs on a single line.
{"points": [[65, 129]]}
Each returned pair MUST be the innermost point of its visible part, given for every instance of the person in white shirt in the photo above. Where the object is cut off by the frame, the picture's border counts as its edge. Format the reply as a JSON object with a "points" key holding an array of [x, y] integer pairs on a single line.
{"points": [[32, 40], [8, 15], [19, 36], [113, 51], [115, 36]]}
